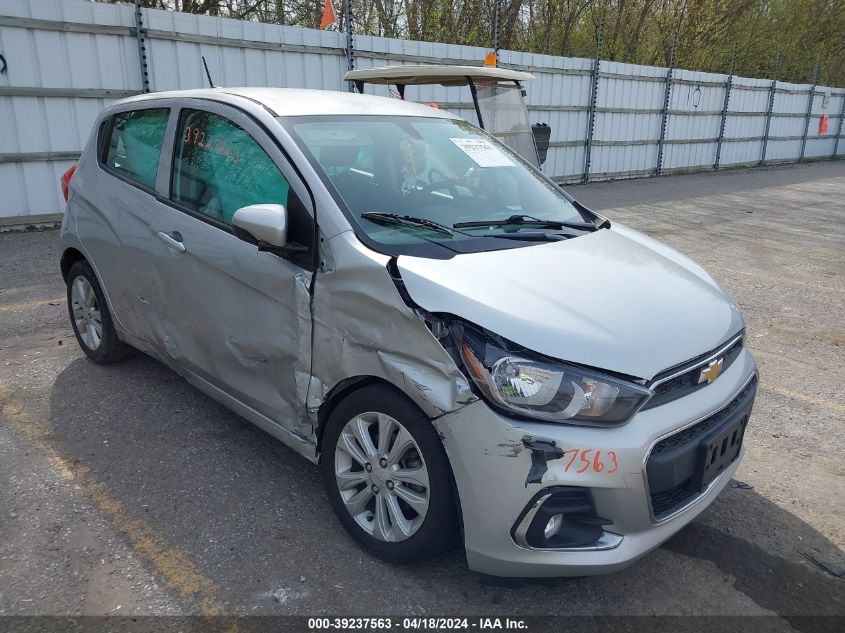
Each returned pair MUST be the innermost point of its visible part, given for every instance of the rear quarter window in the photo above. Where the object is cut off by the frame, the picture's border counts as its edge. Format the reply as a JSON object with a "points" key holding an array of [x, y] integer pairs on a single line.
{"points": [[134, 144]]}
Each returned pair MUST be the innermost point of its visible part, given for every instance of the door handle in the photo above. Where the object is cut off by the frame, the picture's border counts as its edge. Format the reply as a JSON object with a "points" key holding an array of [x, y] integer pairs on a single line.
{"points": [[173, 240]]}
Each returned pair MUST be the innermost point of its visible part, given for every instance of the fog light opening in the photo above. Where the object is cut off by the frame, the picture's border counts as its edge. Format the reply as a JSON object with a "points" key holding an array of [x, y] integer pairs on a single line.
{"points": [[560, 517], [553, 526]]}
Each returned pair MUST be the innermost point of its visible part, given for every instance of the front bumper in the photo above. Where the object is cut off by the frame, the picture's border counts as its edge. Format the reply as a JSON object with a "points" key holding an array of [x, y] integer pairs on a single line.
{"points": [[493, 472]]}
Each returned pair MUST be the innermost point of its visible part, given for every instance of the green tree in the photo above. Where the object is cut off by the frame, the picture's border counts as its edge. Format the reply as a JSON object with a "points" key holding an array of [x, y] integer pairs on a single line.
{"points": [[710, 33]]}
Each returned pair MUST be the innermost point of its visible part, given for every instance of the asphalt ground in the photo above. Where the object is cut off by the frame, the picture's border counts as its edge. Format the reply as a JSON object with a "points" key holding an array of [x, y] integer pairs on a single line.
{"points": [[125, 491]]}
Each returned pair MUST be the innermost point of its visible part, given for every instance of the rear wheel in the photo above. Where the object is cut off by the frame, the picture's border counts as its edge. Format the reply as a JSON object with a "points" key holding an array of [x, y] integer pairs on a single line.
{"points": [[90, 316], [388, 477]]}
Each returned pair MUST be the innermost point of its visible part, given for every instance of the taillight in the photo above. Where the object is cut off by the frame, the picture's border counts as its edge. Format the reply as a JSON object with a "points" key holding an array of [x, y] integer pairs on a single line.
{"points": [[66, 180]]}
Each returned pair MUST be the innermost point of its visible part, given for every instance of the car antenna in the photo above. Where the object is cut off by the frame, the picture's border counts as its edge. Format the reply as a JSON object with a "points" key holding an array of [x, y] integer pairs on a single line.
{"points": [[207, 74]]}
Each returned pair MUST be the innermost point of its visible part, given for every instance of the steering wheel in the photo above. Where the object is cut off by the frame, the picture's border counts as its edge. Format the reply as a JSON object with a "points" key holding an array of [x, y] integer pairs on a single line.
{"points": [[438, 181], [435, 174]]}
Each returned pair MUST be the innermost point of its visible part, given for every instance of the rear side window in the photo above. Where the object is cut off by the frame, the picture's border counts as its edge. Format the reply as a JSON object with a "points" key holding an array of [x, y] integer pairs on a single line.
{"points": [[134, 144], [219, 168]]}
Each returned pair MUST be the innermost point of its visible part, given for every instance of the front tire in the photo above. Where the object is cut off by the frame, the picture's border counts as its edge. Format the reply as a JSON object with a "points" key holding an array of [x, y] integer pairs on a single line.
{"points": [[90, 316], [388, 476]]}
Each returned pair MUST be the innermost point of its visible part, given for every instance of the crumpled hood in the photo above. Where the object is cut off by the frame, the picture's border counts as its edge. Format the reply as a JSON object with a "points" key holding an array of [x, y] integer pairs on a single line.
{"points": [[614, 299]]}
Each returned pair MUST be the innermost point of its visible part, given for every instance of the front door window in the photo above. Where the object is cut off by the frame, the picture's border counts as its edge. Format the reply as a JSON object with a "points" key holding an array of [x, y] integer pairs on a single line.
{"points": [[219, 168]]}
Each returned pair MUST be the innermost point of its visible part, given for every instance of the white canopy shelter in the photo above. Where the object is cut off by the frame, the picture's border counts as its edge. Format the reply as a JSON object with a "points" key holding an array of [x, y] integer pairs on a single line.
{"points": [[497, 94], [434, 74]]}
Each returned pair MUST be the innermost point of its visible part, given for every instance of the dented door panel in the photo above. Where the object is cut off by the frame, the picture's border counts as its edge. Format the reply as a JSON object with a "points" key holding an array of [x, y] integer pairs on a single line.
{"points": [[238, 318]]}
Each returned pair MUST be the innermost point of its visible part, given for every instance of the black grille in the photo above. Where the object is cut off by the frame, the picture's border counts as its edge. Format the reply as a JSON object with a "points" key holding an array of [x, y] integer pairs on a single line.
{"points": [[687, 382], [696, 431], [679, 450], [664, 502]]}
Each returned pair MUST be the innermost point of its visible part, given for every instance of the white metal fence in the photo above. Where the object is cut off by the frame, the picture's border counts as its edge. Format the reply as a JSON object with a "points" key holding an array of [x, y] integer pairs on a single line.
{"points": [[65, 60]]}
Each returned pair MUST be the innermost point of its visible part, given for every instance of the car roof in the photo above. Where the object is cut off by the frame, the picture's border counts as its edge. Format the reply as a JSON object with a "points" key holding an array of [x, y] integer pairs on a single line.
{"points": [[434, 74], [301, 102]]}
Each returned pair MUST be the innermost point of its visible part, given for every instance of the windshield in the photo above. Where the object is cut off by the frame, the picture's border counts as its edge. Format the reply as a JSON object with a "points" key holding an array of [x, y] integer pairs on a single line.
{"points": [[441, 171]]}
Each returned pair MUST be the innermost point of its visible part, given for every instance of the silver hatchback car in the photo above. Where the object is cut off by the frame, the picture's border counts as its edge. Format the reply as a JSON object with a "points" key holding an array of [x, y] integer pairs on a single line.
{"points": [[397, 296]]}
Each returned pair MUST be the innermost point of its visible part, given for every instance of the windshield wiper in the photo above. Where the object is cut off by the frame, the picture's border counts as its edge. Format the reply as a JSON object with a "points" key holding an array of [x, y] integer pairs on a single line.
{"points": [[518, 220], [382, 217]]}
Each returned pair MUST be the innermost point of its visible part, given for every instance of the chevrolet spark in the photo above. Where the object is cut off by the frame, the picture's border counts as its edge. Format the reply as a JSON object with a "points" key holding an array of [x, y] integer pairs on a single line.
{"points": [[464, 349]]}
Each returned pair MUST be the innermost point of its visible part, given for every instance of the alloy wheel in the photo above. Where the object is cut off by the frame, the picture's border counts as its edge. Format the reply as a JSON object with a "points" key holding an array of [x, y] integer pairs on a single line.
{"points": [[86, 313], [382, 477]]}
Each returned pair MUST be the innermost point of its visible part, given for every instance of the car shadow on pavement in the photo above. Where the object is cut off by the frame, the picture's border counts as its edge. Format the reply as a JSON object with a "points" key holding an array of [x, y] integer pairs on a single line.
{"points": [[252, 515]]}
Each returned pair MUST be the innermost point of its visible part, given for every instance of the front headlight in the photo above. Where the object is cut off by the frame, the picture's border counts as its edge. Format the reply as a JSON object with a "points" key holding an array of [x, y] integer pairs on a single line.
{"points": [[543, 389]]}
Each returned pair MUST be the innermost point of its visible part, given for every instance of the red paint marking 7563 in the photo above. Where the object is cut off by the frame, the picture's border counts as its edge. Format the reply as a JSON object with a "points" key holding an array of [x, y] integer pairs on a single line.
{"points": [[588, 461]]}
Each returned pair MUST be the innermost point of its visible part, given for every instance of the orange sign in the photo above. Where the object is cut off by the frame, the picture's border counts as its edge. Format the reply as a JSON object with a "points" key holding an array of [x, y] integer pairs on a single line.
{"points": [[824, 120]]}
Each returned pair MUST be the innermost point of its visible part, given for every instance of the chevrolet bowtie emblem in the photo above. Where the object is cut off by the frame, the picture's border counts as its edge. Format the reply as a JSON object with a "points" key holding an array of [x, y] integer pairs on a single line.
{"points": [[712, 371]]}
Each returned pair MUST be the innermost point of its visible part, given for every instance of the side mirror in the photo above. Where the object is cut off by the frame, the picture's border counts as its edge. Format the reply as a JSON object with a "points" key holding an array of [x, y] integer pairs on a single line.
{"points": [[263, 224]]}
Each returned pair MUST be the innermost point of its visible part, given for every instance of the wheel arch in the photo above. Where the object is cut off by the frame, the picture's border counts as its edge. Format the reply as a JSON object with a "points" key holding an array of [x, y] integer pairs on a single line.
{"points": [[344, 388], [70, 256], [73, 254], [349, 385]]}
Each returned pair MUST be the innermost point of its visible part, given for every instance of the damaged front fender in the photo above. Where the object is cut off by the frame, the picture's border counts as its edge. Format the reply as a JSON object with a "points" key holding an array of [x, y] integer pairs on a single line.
{"points": [[363, 328]]}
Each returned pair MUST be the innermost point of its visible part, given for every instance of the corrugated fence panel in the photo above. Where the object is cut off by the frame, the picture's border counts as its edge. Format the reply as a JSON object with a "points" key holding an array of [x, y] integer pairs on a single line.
{"points": [[788, 119], [695, 116], [43, 62], [68, 59], [745, 122], [628, 118], [239, 53], [820, 144]]}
